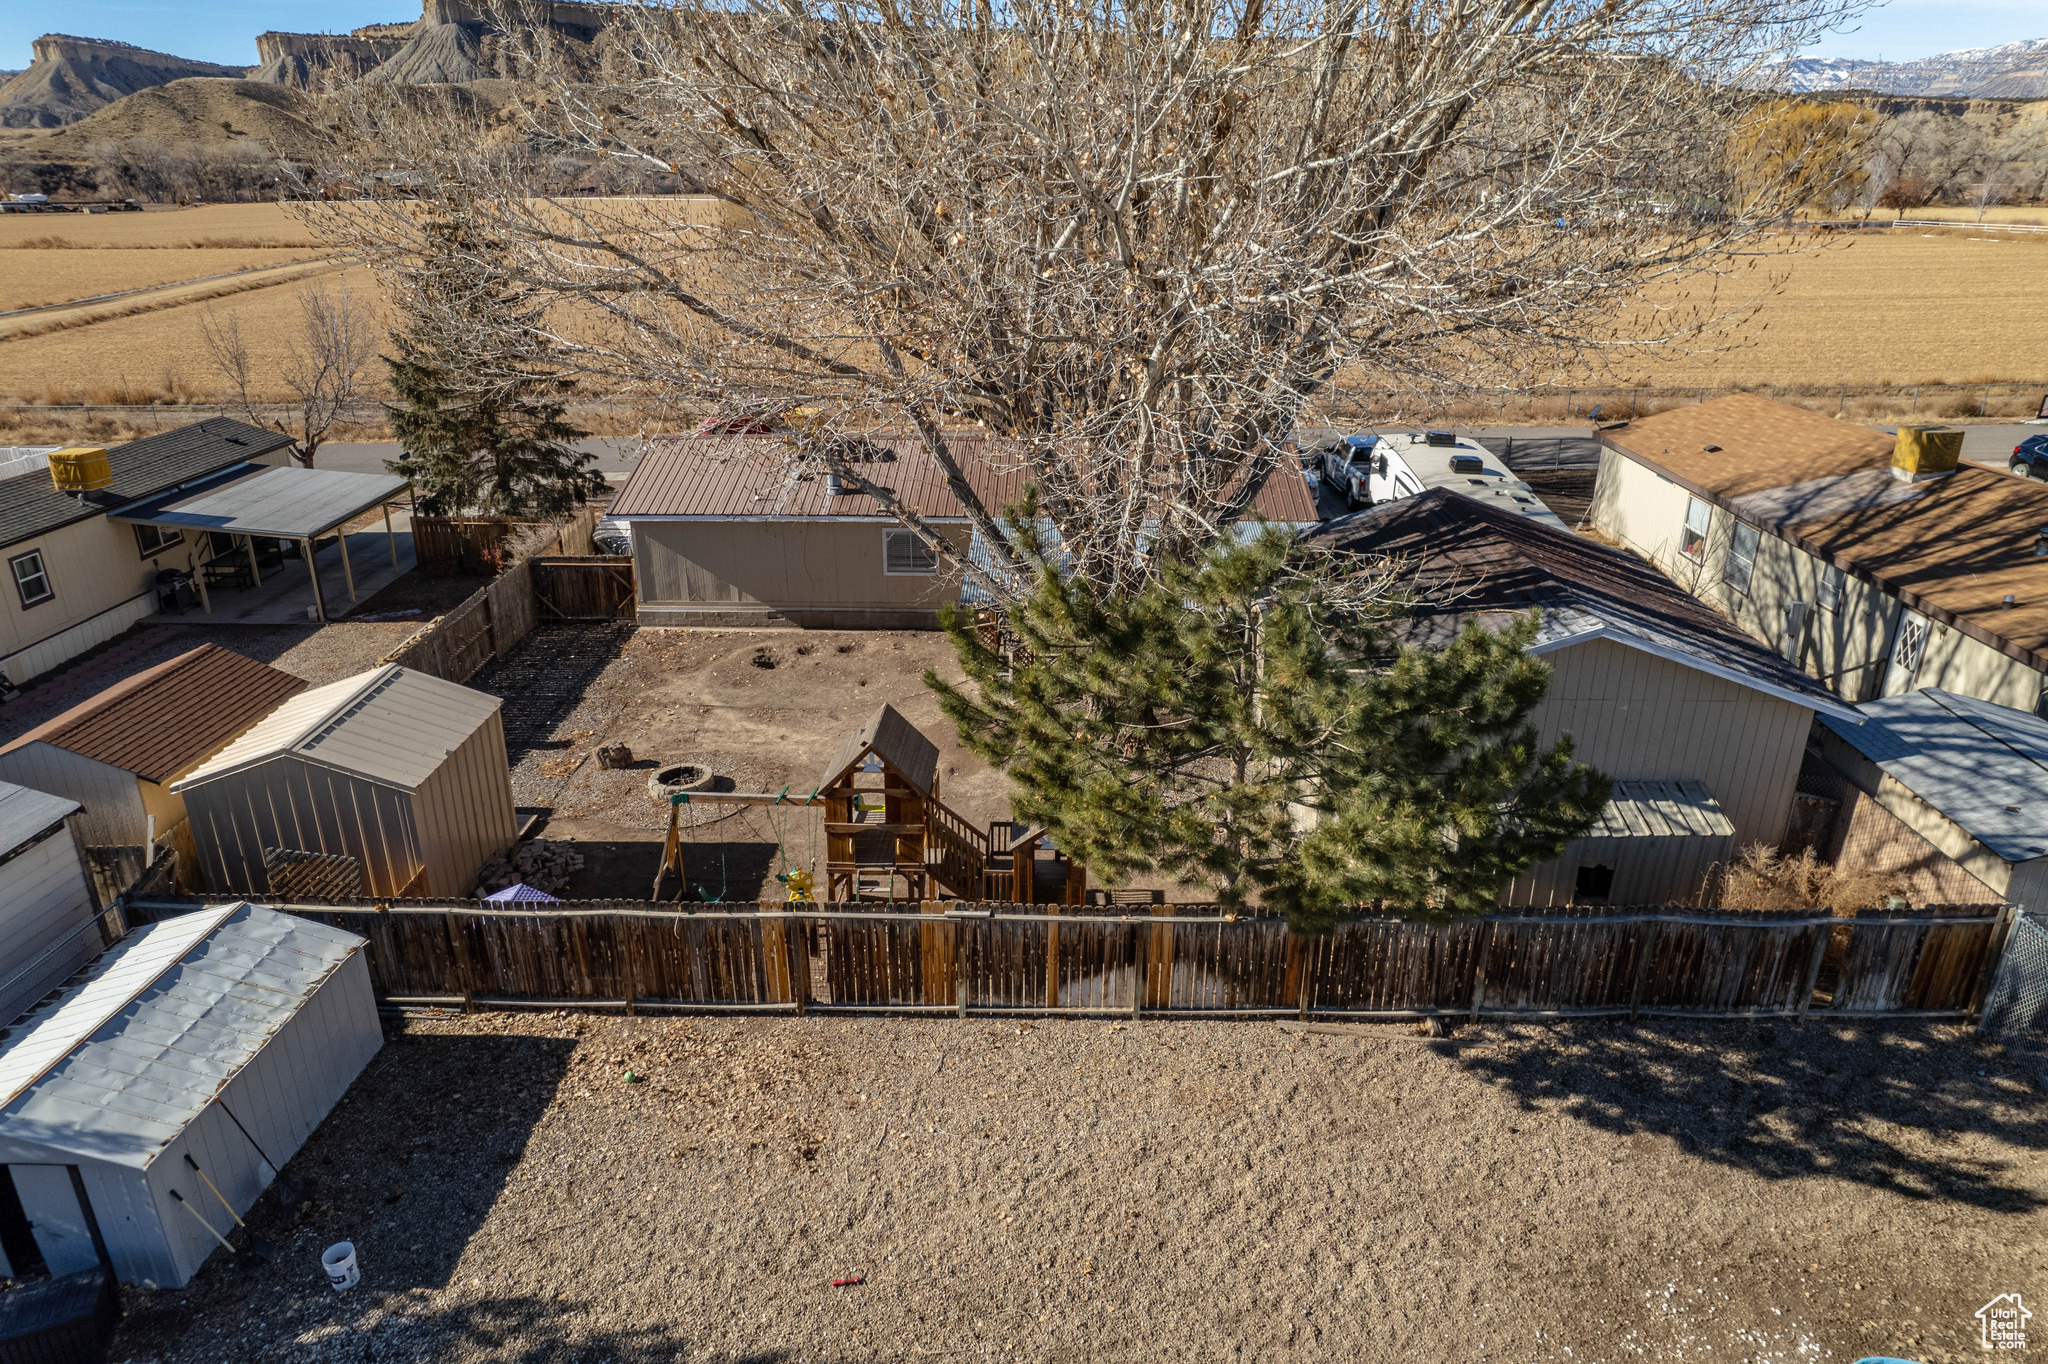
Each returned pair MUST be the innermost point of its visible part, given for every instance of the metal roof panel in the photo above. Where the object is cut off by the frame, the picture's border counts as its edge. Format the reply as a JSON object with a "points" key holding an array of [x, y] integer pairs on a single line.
{"points": [[121, 1062], [391, 725], [1983, 766], [286, 503], [167, 718], [25, 813]]}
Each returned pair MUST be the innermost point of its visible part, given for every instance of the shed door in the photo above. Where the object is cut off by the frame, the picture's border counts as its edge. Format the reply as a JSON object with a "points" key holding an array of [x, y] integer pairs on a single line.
{"points": [[57, 1216], [1907, 646]]}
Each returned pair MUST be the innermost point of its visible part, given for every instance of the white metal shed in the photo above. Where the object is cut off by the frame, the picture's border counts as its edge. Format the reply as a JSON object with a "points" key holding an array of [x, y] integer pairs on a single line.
{"points": [[398, 769], [214, 1035], [48, 926]]}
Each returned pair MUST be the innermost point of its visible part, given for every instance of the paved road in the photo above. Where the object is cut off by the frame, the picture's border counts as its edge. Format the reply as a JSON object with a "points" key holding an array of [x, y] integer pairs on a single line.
{"points": [[1526, 446]]}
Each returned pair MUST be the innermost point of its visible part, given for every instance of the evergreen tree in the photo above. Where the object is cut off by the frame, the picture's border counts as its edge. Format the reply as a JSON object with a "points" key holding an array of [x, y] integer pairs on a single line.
{"points": [[485, 436], [1243, 722]]}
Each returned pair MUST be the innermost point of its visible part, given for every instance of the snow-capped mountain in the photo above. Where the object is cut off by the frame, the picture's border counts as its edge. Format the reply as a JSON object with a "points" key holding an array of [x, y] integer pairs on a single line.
{"points": [[2017, 70]]}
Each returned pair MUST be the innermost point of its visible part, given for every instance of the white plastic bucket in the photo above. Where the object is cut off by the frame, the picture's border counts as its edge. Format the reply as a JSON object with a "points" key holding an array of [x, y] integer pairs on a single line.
{"points": [[340, 1263]]}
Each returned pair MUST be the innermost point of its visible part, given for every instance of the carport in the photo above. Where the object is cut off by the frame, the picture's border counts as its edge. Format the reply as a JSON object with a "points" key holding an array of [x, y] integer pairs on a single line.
{"points": [[298, 505]]}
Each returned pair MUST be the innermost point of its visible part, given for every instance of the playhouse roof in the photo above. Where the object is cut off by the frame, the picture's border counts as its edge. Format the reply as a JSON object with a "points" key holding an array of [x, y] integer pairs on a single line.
{"points": [[896, 742]]}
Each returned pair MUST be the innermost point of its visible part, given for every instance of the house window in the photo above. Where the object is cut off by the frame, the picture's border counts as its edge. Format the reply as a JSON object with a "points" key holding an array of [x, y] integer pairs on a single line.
{"points": [[1912, 639], [1741, 557], [1830, 594], [1692, 542], [156, 539], [904, 553], [1594, 884], [31, 579]]}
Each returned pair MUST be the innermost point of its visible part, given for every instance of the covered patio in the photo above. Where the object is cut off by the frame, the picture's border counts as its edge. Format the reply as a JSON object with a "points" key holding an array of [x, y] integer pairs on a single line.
{"points": [[254, 518]]}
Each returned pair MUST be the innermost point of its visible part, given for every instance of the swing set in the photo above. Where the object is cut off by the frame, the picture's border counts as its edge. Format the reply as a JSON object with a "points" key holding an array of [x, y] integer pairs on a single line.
{"points": [[888, 836]]}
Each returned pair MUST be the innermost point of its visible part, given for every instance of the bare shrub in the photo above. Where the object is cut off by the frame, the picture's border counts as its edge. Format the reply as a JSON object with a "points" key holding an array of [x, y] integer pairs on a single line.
{"points": [[1763, 878]]}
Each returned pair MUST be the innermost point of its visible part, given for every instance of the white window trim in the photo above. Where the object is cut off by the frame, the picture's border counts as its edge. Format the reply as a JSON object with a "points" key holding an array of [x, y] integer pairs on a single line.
{"points": [[889, 536], [1699, 553], [42, 571], [143, 528], [1841, 585], [1748, 565]]}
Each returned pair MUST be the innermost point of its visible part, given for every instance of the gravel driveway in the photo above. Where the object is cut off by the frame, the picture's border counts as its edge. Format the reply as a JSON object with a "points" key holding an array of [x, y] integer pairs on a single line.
{"points": [[1078, 1190]]}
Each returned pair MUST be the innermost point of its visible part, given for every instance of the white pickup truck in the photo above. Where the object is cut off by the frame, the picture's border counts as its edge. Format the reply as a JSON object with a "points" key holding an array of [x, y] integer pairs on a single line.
{"points": [[1367, 470]]}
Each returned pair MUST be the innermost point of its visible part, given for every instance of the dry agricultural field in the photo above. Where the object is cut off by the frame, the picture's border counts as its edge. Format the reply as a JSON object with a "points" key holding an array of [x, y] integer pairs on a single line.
{"points": [[1899, 307]]}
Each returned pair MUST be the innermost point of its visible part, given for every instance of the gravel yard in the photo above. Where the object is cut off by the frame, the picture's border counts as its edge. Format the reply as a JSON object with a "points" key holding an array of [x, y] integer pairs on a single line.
{"points": [[1081, 1190]]}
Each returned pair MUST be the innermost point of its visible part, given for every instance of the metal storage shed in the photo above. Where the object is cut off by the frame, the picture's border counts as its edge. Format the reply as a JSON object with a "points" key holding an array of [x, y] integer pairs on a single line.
{"points": [[47, 921], [117, 751], [210, 1035], [398, 769], [1654, 845]]}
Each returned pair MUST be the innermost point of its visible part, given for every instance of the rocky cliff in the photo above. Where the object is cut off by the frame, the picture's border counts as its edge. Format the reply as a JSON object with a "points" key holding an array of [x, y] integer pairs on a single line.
{"points": [[72, 77], [457, 41], [296, 58]]}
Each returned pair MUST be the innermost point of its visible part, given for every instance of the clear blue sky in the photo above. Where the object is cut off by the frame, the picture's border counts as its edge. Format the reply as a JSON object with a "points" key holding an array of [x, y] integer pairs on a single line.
{"points": [[226, 31], [1905, 29]]}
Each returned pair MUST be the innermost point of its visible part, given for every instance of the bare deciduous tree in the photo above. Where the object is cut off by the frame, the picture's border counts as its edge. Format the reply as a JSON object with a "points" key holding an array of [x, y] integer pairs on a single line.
{"points": [[322, 371], [1136, 239]]}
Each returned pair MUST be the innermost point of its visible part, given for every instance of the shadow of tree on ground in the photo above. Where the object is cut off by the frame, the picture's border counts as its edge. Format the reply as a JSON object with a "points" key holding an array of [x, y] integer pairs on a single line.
{"points": [[1884, 1105]]}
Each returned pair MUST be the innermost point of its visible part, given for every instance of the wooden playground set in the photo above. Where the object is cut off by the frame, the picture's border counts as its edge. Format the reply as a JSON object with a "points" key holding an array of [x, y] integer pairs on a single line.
{"points": [[888, 836]]}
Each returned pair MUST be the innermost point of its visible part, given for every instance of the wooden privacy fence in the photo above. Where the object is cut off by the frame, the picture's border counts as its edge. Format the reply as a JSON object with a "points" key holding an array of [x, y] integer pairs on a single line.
{"points": [[591, 587], [485, 626], [461, 544], [956, 958], [504, 611]]}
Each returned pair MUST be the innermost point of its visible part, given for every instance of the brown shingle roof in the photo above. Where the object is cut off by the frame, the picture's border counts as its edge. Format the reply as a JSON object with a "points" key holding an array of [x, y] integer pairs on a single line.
{"points": [[165, 720], [1951, 547], [1474, 560], [1763, 444], [748, 476]]}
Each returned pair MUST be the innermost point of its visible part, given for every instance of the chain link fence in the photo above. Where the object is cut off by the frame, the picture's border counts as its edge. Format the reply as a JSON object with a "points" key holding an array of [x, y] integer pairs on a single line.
{"points": [[2018, 1002]]}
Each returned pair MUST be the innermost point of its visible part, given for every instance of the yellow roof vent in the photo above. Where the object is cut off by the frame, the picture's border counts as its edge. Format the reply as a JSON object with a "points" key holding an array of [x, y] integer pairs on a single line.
{"points": [[81, 469], [1922, 452]]}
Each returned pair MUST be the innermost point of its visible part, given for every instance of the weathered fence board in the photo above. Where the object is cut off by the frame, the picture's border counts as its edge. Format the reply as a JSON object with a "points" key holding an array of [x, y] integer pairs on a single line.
{"points": [[1173, 960], [592, 587], [485, 626], [461, 544]]}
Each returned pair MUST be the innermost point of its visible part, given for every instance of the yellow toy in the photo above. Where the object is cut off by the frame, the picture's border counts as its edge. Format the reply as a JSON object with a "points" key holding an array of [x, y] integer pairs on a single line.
{"points": [[801, 886]]}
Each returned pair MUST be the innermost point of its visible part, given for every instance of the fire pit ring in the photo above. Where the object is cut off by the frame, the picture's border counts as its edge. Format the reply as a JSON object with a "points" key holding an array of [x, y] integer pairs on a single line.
{"points": [[664, 782]]}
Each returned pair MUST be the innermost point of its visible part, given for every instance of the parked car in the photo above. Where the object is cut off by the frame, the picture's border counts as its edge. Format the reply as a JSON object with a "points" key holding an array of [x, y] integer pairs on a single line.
{"points": [[2030, 457]]}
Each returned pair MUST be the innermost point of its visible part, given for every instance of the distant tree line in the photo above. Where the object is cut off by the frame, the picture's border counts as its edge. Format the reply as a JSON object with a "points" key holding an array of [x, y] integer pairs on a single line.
{"points": [[172, 172]]}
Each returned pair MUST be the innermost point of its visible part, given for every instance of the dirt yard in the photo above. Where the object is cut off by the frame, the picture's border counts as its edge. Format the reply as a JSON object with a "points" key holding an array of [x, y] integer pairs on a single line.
{"points": [[1072, 1190], [764, 708]]}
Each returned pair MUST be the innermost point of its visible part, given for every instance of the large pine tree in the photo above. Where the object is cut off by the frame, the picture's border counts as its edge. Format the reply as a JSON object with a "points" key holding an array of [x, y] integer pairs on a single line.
{"points": [[493, 442], [1244, 723]]}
